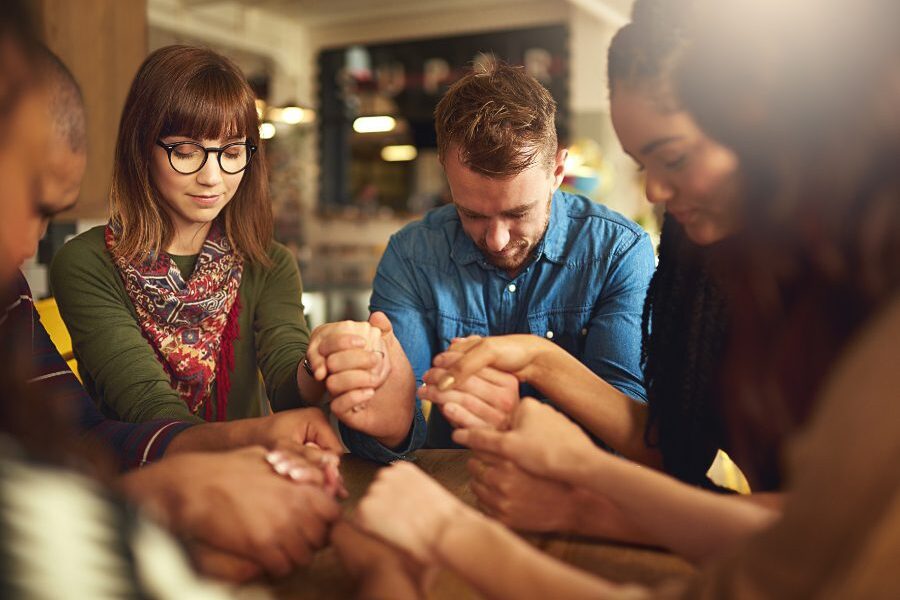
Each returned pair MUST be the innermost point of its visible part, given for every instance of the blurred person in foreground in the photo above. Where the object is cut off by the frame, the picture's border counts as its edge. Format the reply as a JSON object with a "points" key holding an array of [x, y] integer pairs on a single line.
{"points": [[244, 512]]}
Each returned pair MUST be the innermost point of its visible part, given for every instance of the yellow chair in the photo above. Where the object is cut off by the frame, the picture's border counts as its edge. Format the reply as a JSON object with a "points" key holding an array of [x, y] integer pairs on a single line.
{"points": [[56, 328]]}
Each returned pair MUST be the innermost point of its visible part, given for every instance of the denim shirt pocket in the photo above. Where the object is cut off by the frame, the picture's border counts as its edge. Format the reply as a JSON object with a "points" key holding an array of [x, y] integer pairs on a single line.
{"points": [[566, 327], [449, 327]]}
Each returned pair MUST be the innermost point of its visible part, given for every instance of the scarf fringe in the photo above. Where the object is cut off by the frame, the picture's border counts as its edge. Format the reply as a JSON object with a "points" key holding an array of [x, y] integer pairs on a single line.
{"points": [[225, 364]]}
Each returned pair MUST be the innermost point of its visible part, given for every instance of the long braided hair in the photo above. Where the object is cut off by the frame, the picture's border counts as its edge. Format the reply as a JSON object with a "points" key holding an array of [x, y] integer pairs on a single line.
{"points": [[684, 335], [685, 317]]}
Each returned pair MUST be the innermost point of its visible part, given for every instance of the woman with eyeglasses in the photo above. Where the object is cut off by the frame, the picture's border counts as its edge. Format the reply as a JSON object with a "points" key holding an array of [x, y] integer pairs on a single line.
{"points": [[182, 297]]}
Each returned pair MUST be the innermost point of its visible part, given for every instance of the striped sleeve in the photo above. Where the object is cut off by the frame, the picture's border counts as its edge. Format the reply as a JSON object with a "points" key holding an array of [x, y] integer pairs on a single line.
{"points": [[133, 444]]}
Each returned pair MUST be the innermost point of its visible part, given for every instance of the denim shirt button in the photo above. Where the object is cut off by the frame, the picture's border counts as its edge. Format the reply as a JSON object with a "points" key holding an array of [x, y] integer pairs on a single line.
{"points": [[512, 287], [584, 331], [549, 335]]}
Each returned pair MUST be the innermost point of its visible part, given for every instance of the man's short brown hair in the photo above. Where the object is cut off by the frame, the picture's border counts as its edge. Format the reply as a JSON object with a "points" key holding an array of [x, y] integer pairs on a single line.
{"points": [[499, 119]]}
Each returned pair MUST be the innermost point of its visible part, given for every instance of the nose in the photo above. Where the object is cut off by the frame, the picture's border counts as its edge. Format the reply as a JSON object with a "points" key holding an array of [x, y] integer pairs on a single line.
{"points": [[211, 173], [497, 236], [658, 190]]}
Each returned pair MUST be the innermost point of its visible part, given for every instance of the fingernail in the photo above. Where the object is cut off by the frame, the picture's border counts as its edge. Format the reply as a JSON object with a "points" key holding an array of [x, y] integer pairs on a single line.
{"points": [[313, 445], [368, 393], [450, 408], [274, 457], [282, 468], [446, 383], [299, 474], [358, 407]]}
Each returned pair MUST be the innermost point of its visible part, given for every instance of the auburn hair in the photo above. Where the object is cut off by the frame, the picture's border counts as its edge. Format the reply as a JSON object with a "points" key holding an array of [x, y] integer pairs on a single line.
{"points": [[499, 119], [197, 93]]}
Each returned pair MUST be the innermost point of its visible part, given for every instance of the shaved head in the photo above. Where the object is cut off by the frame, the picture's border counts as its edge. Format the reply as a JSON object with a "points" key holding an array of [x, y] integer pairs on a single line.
{"points": [[66, 102]]}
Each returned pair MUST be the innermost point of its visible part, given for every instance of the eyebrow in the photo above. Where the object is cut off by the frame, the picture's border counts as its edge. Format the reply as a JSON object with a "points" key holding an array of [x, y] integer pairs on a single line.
{"points": [[649, 148], [188, 138], [506, 213]]}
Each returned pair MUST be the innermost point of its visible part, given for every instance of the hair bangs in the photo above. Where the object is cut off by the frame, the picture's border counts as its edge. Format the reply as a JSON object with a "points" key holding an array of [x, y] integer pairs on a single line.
{"points": [[213, 105]]}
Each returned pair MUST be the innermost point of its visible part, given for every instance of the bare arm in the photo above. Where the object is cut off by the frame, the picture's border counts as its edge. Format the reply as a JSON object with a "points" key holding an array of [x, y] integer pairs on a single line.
{"points": [[611, 415], [413, 512], [299, 426], [470, 545], [692, 522]]}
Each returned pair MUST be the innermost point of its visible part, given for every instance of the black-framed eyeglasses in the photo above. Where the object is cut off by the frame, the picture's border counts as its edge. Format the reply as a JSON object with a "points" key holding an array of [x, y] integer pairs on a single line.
{"points": [[189, 157]]}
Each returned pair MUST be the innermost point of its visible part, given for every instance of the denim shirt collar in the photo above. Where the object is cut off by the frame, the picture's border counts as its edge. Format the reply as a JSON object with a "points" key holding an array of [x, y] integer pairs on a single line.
{"points": [[552, 245]]}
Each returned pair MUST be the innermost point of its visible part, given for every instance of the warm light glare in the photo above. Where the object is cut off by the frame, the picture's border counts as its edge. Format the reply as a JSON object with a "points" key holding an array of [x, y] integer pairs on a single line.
{"points": [[260, 108], [374, 124], [292, 115], [267, 131], [399, 153], [573, 161]]}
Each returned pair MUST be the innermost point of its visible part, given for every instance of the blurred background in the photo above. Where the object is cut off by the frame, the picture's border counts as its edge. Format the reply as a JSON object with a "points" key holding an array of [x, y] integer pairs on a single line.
{"points": [[346, 90]]}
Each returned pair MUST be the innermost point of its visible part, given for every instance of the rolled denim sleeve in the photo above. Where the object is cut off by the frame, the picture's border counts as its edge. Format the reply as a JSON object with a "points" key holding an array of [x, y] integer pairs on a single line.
{"points": [[613, 345], [393, 293]]}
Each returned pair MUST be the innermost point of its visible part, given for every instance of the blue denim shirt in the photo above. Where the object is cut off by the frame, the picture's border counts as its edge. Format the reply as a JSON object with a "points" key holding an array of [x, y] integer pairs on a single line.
{"points": [[584, 290]]}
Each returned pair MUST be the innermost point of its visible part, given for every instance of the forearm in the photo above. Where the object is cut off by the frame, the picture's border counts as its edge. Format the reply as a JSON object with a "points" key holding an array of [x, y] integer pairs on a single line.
{"points": [[399, 389], [470, 546], [609, 414], [388, 582], [694, 523], [215, 437], [594, 517]]}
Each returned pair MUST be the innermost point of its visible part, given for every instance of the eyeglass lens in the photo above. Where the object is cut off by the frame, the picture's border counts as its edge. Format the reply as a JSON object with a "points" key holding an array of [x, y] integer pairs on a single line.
{"points": [[189, 158]]}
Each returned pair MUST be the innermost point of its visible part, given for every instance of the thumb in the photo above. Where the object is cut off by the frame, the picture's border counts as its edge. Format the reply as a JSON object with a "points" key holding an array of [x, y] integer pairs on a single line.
{"points": [[379, 319]]}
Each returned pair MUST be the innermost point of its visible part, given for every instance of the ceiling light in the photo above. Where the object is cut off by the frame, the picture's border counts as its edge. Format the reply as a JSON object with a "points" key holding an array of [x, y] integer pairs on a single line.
{"points": [[267, 131], [292, 115], [379, 124], [399, 153]]}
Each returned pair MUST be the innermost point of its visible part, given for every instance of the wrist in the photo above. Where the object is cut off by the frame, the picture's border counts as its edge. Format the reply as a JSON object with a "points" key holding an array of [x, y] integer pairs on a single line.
{"points": [[460, 522], [539, 366], [580, 510], [311, 391], [147, 488]]}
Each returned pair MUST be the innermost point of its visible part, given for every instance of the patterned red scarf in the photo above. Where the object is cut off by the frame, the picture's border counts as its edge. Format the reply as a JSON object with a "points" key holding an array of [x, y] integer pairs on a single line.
{"points": [[192, 325]]}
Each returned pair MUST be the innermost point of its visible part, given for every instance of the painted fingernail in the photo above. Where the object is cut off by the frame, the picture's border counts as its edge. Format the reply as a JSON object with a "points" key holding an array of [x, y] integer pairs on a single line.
{"points": [[282, 468], [446, 383], [274, 457]]}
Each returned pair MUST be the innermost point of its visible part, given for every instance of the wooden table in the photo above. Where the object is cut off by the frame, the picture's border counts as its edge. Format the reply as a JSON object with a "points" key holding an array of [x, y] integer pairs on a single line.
{"points": [[326, 579]]}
